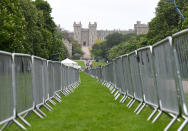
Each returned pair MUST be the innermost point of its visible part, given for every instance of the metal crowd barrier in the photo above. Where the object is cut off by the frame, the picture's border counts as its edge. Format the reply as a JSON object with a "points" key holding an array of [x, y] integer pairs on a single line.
{"points": [[29, 82], [155, 75]]}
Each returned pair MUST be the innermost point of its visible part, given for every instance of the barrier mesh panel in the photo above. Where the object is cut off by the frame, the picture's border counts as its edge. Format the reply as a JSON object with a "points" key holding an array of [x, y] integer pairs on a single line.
{"points": [[166, 84], [135, 75], [23, 83], [6, 89], [127, 76], [147, 77]]}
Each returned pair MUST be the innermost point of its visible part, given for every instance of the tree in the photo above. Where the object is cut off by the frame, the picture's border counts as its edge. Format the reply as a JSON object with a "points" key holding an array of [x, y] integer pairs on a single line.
{"points": [[77, 52], [167, 20]]}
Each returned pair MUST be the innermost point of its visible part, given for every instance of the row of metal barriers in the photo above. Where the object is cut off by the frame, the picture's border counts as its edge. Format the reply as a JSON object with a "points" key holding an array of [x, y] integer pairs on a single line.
{"points": [[28, 82], [155, 76]]}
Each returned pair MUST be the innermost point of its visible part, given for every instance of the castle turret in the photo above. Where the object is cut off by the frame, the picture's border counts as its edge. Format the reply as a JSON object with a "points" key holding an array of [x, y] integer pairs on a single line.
{"points": [[78, 31], [140, 28], [92, 33]]}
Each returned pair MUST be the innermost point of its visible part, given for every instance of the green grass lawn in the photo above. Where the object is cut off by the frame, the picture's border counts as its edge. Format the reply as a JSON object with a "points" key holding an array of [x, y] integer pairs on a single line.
{"points": [[95, 64], [80, 63], [92, 108]]}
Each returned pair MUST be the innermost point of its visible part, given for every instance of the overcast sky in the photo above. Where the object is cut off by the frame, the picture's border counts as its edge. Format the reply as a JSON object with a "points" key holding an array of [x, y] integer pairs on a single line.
{"points": [[109, 14]]}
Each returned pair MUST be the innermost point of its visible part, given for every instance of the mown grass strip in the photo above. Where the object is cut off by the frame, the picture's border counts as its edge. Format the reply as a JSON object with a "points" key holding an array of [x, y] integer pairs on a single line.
{"points": [[80, 63]]}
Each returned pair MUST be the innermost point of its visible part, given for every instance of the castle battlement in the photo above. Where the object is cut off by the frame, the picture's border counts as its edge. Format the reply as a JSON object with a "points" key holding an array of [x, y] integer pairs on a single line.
{"points": [[87, 36]]}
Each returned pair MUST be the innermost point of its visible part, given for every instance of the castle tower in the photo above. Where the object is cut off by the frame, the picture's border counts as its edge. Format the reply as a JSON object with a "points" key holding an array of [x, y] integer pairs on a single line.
{"points": [[92, 33], [78, 32]]}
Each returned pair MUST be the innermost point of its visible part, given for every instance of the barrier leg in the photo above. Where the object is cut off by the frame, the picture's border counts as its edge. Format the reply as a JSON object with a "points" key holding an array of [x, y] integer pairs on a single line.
{"points": [[158, 115], [141, 108], [138, 107], [152, 114], [38, 109], [19, 124], [132, 103], [26, 122], [183, 124], [171, 123], [125, 99], [39, 115]]}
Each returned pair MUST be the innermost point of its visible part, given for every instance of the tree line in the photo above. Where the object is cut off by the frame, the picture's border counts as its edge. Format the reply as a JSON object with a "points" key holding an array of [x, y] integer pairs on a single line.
{"points": [[165, 23], [27, 26]]}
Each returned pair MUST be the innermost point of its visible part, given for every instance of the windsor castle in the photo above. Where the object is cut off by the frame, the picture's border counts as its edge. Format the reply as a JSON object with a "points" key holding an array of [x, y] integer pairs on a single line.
{"points": [[87, 36]]}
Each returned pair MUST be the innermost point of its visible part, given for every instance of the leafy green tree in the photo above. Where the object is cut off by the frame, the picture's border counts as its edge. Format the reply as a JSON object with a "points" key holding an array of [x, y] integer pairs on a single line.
{"points": [[12, 26], [167, 20], [77, 52], [100, 51]]}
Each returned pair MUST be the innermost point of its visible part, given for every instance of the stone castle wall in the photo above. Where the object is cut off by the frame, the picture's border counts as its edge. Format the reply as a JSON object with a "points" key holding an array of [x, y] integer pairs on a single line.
{"points": [[87, 37]]}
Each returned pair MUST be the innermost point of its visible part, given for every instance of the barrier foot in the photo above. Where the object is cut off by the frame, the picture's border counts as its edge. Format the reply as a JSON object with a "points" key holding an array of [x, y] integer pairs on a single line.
{"points": [[64, 93], [183, 124], [48, 106], [116, 93], [107, 85], [27, 114], [171, 123], [125, 99], [138, 107], [172, 115], [152, 114], [19, 124], [111, 88], [52, 102], [58, 95], [117, 96], [57, 99], [6, 125], [122, 99], [158, 115], [39, 115], [67, 92], [26, 122], [45, 106], [132, 103], [141, 108], [113, 91], [38, 109]]}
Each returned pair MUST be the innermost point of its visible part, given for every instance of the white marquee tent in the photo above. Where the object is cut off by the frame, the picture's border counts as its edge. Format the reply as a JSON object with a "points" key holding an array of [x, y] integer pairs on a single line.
{"points": [[71, 63]]}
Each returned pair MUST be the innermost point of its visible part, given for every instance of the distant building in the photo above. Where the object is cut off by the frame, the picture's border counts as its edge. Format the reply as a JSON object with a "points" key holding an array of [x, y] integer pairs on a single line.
{"points": [[140, 28], [87, 36]]}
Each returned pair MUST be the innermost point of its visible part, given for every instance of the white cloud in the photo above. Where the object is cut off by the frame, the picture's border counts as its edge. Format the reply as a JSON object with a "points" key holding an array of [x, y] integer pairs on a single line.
{"points": [[109, 14]]}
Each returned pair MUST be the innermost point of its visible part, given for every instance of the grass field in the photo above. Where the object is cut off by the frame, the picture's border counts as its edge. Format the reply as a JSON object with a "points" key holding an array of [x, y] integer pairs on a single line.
{"points": [[80, 63], [92, 108], [95, 64]]}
